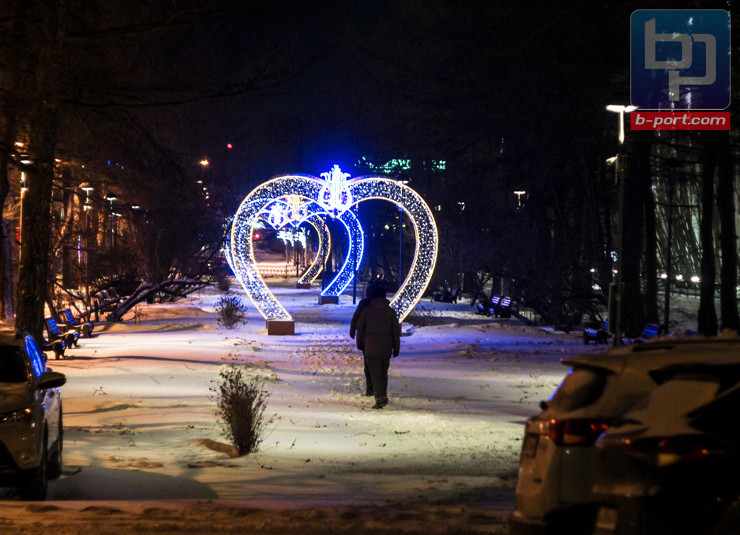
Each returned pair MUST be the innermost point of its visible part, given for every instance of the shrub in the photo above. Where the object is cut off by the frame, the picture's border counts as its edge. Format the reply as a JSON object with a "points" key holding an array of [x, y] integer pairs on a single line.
{"points": [[241, 405], [231, 312]]}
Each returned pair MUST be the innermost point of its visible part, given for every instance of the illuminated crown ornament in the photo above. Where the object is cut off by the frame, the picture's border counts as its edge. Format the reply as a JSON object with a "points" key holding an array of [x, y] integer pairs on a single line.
{"points": [[335, 195]]}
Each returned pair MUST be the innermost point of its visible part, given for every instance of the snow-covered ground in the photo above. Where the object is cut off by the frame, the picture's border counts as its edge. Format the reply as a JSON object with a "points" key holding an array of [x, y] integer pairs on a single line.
{"points": [[144, 452]]}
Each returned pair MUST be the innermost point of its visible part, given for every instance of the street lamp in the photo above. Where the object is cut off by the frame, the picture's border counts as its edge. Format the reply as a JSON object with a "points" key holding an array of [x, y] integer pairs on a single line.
{"points": [[20, 218], [519, 194], [621, 110], [86, 208], [616, 289]]}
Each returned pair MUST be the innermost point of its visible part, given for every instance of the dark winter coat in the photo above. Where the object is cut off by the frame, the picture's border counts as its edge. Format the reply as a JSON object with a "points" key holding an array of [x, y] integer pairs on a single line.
{"points": [[356, 316], [378, 331]]}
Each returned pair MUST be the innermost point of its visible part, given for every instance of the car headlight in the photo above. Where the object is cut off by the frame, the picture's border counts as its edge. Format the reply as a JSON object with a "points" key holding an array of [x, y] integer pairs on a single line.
{"points": [[20, 415]]}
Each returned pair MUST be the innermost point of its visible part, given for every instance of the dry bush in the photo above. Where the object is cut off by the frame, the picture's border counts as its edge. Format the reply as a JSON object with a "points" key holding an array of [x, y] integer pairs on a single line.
{"points": [[231, 312], [241, 405]]}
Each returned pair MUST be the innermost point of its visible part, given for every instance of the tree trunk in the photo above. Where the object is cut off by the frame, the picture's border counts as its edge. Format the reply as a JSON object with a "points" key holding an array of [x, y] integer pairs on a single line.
{"points": [[637, 173], [728, 234], [651, 256], [47, 30], [6, 255], [707, 321], [12, 54]]}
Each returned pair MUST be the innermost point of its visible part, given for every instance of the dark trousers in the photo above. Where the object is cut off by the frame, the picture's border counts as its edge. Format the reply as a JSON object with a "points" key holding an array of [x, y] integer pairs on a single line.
{"points": [[368, 377], [379, 374]]}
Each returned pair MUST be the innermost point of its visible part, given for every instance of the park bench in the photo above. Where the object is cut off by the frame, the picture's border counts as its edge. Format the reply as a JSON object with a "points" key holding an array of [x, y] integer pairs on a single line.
{"points": [[596, 332], [69, 322], [651, 330], [103, 301], [70, 338], [498, 306], [487, 307], [57, 346], [505, 307]]}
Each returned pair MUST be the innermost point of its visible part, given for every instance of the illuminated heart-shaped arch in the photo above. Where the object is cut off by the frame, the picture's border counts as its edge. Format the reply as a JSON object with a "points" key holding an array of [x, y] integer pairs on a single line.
{"points": [[295, 210], [356, 190], [322, 254], [312, 218]]}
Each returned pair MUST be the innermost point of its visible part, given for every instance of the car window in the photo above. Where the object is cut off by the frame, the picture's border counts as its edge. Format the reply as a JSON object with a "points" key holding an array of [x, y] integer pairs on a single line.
{"points": [[580, 388], [12, 365], [34, 354]]}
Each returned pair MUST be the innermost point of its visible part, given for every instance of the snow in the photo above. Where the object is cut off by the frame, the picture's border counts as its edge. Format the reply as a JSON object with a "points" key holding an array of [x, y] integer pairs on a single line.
{"points": [[143, 449]]}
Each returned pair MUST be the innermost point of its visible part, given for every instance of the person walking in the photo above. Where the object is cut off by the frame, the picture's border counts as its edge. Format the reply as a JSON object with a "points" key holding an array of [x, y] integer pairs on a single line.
{"points": [[379, 338], [370, 293]]}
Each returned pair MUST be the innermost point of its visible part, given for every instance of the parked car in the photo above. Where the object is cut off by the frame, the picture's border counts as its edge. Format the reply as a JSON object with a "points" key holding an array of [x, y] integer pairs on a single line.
{"points": [[31, 435], [670, 465], [556, 473]]}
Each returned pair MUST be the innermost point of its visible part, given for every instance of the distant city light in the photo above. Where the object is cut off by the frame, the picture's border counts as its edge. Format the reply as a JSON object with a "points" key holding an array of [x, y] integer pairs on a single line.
{"points": [[229, 146], [695, 279]]}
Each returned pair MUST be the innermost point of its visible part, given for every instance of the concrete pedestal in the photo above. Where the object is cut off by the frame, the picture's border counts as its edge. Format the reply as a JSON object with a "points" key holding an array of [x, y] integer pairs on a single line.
{"points": [[328, 299], [280, 327]]}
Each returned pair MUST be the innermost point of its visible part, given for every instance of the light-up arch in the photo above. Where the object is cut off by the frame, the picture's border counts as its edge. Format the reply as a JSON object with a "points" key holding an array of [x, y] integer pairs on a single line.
{"points": [[425, 229], [353, 257], [356, 190], [322, 254], [295, 210]]}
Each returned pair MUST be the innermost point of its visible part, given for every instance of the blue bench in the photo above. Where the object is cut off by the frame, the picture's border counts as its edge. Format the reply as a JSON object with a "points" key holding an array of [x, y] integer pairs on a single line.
{"points": [[651, 330], [85, 328], [596, 332], [55, 333], [498, 306]]}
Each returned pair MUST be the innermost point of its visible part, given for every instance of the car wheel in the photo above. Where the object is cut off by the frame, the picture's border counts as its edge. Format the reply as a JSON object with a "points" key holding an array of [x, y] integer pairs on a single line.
{"points": [[36, 483], [55, 462]]}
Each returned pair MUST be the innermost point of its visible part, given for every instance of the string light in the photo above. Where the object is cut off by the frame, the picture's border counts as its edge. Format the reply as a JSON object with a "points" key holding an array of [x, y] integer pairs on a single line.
{"points": [[336, 197], [322, 254]]}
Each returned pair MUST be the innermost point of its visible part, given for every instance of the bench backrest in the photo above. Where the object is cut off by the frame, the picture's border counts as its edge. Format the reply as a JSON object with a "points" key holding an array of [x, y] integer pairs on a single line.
{"points": [[69, 317], [505, 301], [651, 329], [496, 299], [51, 325]]}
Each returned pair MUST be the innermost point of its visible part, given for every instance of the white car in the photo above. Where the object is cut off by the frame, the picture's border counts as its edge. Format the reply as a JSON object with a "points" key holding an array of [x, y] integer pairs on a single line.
{"points": [[30, 417], [556, 473], [669, 465]]}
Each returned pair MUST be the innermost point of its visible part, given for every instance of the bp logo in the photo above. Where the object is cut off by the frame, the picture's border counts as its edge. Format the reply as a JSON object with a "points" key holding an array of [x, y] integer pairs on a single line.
{"points": [[680, 59]]}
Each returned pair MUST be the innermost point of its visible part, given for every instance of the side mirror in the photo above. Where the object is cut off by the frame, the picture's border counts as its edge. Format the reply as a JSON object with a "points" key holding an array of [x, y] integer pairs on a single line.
{"points": [[52, 380]]}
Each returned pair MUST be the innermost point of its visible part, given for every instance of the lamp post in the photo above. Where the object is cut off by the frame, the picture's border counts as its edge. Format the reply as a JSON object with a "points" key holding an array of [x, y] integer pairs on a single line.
{"points": [[86, 208], [110, 199], [20, 219], [616, 289]]}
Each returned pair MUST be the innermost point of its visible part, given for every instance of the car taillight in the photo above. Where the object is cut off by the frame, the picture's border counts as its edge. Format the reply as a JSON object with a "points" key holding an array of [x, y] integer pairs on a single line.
{"points": [[575, 432], [665, 451]]}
